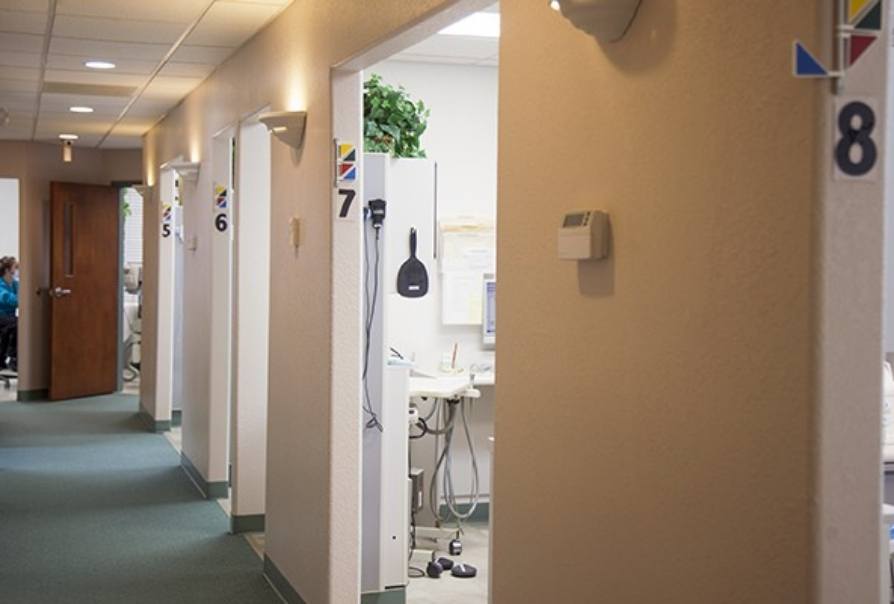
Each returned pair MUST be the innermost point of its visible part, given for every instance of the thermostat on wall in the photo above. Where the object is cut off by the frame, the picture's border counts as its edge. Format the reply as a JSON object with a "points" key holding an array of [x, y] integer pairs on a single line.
{"points": [[584, 236]]}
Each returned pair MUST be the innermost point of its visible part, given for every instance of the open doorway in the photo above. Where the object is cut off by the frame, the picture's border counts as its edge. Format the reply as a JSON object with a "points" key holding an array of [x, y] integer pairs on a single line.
{"points": [[132, 288], [169, 360], [9, 249], [424, 175]]}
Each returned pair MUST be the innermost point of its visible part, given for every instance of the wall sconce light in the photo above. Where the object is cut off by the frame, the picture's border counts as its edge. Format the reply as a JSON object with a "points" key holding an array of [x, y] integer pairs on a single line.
{"points": [[187, 170], [287, 126], [605, 20], [67, 151]]}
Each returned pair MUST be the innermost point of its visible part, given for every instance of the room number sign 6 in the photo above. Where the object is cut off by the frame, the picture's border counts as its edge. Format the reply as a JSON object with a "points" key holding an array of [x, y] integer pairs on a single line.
{"points": [[856, 152]]}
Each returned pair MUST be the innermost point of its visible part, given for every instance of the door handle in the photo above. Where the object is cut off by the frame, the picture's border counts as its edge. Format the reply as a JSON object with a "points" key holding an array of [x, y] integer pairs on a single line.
{"points": [[59, 292]]}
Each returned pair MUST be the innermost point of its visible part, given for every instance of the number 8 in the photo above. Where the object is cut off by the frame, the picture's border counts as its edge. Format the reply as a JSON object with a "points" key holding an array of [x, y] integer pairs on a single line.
{"points": [[861, 138]]}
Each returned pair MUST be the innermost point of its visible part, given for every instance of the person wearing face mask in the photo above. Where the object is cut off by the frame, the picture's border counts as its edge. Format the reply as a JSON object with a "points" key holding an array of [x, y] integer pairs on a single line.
{"points": [[9, 304]]}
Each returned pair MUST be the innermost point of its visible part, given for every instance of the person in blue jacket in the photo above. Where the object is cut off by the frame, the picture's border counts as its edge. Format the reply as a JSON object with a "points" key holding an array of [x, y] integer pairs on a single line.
{"points": [[9, 304]]}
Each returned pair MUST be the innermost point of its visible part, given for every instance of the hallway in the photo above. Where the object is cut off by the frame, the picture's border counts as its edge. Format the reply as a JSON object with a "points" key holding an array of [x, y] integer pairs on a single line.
{"points": [[95, 509]]}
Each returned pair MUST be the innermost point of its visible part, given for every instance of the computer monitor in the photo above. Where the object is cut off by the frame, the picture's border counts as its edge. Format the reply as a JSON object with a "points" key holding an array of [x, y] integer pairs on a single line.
{"points": [[489, 312]]}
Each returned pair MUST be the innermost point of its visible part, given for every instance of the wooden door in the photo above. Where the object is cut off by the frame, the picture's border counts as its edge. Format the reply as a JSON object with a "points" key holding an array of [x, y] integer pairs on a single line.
{"points": [[84, 282]]}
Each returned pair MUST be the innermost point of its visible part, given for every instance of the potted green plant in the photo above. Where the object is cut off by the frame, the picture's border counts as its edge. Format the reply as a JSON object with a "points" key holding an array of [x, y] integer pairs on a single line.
{"points": [[393, 122]]}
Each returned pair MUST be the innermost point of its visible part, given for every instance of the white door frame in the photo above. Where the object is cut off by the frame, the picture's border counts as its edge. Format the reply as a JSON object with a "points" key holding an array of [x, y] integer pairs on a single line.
{"points": [[250, 335], [347, 288]]}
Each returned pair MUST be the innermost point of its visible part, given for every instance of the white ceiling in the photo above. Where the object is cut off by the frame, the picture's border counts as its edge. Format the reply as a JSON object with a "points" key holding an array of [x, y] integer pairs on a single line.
{"points": [[163, 49], [455, 50]]}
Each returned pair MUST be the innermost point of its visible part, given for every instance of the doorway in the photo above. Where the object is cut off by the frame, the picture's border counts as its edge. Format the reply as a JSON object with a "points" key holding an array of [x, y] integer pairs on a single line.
{"points": [[132, 286], [9, 247], [425, 346]]}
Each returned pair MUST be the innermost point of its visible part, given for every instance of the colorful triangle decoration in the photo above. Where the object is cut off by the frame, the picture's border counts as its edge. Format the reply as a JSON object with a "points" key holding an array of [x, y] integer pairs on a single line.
{"points": [[855, 7], [859, 45], [871, 20], [806, 65]]}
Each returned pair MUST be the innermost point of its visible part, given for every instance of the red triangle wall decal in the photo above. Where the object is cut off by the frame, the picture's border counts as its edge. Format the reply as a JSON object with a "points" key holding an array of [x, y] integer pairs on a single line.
{"points": [[859, 45]]}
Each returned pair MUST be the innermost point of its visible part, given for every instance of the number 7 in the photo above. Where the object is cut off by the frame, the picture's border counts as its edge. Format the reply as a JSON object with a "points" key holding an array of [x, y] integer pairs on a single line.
{"points": [[349, 195]]}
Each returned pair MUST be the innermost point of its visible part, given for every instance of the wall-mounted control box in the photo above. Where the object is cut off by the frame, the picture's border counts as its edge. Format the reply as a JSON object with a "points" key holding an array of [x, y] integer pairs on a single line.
{"points": [[584, 236]]}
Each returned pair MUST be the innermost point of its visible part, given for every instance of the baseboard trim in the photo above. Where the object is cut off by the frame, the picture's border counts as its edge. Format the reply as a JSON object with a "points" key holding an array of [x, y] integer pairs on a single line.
{"points": [[398, 595], [30, 396], [176, 418], [482, 512], [248, 523], [152, 424], [280, 584], [209, 490]]}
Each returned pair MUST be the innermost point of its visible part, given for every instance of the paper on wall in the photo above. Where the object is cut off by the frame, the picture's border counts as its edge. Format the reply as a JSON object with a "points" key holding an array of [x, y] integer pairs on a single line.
{"points": [[461, 298], [467, 250], [467, 246]]}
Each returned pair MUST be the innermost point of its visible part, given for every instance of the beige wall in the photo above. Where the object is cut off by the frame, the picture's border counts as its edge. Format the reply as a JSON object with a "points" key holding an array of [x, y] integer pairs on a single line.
{"points": [[36, 165], [656, 412], [287, 66]]}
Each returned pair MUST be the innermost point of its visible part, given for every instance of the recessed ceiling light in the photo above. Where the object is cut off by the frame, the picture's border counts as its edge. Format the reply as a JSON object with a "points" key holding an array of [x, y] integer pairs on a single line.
{"points": [[482, 25], [80, 109], [99, 65], [554, 4], [68, 137]]}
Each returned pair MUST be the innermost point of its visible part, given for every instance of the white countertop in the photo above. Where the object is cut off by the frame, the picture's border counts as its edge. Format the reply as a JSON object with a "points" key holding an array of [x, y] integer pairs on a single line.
{"points": [[448, 386]]}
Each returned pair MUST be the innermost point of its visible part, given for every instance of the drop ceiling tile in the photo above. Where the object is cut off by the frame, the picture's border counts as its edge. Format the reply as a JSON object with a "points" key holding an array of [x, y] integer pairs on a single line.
{"points": [[117, 30], [54, 106], [168, 87], [18, 101], [24, 5], [150, 108], [188, 70], [77, 123], [27, 74], [133, 126], [104, 50], [94, 77], [20, 59], [62, 102], [210, 55], [52, 125], [172, 11], [18, 86], [21, 43], [231, 23], [23, 22], [21, 119], [15, 133], [76, 63], [123, 142]]}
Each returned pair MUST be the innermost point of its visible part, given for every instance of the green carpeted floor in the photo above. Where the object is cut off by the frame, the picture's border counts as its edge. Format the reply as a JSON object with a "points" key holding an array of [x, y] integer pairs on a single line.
{"points": [[95, 510]]}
